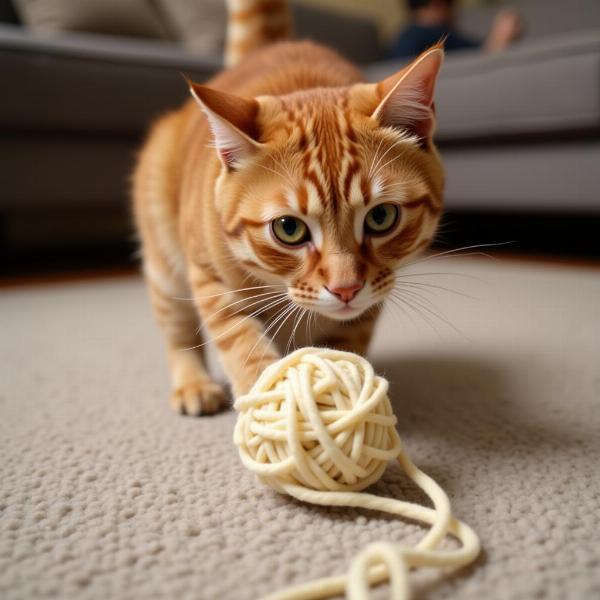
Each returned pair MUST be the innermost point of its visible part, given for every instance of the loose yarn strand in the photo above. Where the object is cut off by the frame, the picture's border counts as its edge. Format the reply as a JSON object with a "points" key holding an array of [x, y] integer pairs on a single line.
{"points": [[318, 425]]}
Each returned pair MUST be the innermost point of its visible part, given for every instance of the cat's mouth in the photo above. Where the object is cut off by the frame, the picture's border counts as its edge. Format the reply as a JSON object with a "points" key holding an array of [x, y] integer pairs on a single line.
{"points": [[345, 312]]}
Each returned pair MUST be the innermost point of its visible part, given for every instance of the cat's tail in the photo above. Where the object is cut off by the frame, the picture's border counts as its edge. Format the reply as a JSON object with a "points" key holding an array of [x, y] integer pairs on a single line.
{"points": [[255, 23]]}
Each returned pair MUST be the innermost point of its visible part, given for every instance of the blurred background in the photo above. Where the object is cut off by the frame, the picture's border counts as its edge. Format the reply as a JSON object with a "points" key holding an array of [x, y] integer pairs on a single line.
{"points": [[519, 128]]}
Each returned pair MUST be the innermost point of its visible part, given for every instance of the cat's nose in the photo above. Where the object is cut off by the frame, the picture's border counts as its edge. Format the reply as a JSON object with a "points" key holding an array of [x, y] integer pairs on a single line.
{"points": [[346, 293]]}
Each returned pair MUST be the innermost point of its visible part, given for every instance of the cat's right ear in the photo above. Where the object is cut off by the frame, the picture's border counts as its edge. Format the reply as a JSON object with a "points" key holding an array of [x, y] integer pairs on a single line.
{"points": [[233, 122], [404, 100]]}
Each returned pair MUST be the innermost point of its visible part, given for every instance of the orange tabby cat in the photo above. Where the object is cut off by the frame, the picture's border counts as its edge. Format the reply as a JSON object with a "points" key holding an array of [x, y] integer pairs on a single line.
{"points": [[315, 187]]}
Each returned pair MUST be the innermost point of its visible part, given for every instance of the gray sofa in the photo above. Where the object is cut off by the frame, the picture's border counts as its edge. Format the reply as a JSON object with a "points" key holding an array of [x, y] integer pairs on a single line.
{"points": [[518, 130]]}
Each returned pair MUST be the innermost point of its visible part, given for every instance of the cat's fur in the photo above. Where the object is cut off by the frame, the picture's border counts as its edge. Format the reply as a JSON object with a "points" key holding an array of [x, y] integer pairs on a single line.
{"points": [[294, 130]]}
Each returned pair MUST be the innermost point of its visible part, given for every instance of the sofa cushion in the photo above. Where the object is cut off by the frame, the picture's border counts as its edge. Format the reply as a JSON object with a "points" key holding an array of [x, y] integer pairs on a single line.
{"points": [[542, 87], [115, 17]]}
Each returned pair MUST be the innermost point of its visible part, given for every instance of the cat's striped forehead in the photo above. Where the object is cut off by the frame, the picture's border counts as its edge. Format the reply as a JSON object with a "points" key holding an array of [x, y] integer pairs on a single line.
{"points": [[323, 152]]}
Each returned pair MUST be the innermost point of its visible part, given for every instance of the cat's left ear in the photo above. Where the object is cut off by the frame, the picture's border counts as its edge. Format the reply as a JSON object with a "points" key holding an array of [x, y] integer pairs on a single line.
{"points": [[406, 98], [233, 122]]}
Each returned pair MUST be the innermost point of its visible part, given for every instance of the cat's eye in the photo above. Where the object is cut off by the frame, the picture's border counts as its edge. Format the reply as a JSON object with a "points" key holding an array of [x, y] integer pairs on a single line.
{"points": [[381, 218], [290, 230]]}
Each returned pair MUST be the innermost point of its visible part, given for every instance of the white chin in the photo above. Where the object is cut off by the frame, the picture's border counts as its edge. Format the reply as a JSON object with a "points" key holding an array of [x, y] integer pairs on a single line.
{"points": [[345, 313]]}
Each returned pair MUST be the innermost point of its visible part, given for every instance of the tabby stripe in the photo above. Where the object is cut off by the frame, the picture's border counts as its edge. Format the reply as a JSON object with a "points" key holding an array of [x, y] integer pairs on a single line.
{"points": [[239, 227], [268, 8], [313, 260], [422, 244], [365, 190], [269, 255], [427, 201], [302, 197], [352, 169], [312, 177]]}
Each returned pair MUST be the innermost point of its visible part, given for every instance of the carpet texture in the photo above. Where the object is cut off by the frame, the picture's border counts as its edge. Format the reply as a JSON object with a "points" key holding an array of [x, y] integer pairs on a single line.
{"points": [[104, 493]]}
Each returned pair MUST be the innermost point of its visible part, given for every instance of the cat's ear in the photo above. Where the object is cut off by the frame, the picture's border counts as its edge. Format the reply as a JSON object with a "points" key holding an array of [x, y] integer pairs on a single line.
{"points": [[233, 122], [407, 96]]}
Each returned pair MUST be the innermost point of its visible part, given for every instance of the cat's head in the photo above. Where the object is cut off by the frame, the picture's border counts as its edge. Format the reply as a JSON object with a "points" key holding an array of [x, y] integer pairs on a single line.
{"points": [[329, 190]]}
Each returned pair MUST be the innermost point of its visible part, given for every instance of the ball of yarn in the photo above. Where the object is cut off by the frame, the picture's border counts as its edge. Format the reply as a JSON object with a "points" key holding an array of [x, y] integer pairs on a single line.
{"points": [[319, 426], [319, 419]]}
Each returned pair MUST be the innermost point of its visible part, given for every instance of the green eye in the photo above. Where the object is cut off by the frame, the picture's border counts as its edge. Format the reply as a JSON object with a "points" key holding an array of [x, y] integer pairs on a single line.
{"points": [[381, 218], [290, 230]]}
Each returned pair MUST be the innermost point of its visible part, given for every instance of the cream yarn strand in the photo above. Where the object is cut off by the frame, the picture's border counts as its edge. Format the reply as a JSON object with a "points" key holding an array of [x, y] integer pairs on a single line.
{"points": [[318, 425]]}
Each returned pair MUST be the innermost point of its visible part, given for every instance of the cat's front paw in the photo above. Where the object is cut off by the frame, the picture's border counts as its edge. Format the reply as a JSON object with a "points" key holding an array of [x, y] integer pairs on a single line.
{"points": [[198, 398]]}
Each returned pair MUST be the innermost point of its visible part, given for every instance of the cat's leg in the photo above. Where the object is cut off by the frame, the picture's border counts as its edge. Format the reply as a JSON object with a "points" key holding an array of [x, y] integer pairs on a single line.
{"points": [[193, 390], [156, 214], [244, 348]]}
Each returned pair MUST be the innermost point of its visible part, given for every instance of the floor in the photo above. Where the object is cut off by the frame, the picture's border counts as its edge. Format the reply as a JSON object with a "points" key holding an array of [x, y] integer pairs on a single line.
{"points": [[104, 493]]}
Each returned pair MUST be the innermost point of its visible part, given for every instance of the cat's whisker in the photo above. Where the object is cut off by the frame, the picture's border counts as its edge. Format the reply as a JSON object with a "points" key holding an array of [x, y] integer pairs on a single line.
{"points": [[374, 159], [306, 327], [265, 331], [454, 252], [395, 184], [405, 182], [257, 312], [389, 194], [294, 316], [419, 312], [233, 291], [268, 326], [284, 168], [269, 296], [434, 311], [423, 316], [289, 310], [383, 166], [401, 312], [377, 168], [284, 318], [417, 297], [278, 173], [433, 314], [313, 323], [246, 289], [301, 312], [272, 302], [430, 287], [312, 315], [440, 274]]}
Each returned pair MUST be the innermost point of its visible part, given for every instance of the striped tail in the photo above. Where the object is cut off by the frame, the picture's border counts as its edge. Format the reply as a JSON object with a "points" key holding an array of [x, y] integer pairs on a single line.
{"points": [[255, 23]]}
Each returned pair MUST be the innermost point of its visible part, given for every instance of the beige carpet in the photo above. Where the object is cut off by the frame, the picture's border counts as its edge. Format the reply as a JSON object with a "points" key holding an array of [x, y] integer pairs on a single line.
{"points": [[105, 494]]}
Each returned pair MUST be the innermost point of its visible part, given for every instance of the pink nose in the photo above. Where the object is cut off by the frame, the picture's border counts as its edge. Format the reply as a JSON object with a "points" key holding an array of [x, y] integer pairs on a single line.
{"points": [[347, 293]]}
